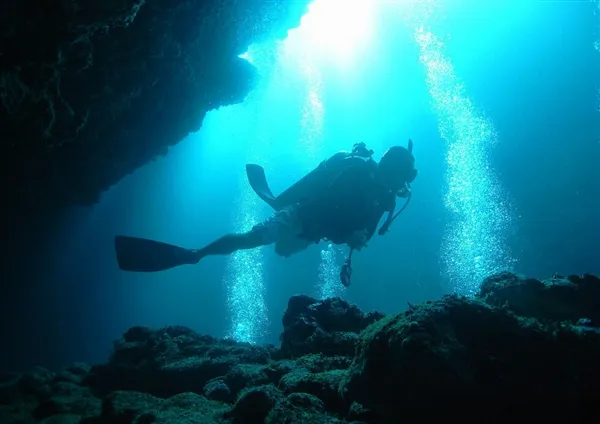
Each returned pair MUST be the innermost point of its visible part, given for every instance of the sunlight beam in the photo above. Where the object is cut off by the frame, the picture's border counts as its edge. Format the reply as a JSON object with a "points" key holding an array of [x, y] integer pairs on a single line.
{"points": [[311, 140], [335, 30]]}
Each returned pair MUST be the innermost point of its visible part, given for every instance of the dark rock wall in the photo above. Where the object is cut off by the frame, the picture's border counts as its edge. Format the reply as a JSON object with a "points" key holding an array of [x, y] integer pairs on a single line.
{"points": [[90, 91]]}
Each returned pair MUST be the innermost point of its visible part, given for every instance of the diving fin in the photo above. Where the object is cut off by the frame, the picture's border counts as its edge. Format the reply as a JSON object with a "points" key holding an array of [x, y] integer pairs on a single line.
{"points": [[143, 255], [258, 182]]}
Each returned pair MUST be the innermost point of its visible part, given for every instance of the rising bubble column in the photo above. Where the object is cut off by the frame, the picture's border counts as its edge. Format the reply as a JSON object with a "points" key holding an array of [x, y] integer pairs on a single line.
{"points": [[329, 273], [474, 245], [244, 278], [244, 281]]}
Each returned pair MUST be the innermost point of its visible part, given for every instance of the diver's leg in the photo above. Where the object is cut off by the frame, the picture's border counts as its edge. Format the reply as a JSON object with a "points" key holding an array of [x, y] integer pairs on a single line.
{"points": [[232, 243], [290, 245], [289, 240], [262, 234]]}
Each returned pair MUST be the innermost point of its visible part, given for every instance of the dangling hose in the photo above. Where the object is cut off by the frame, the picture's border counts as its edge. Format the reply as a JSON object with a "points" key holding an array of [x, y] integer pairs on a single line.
{"points": [[346, 271], [386, 225]]}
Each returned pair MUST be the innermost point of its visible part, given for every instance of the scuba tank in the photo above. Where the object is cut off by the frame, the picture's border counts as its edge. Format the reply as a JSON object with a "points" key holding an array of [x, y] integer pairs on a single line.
{"points": [[312, 184], [319, 179]]}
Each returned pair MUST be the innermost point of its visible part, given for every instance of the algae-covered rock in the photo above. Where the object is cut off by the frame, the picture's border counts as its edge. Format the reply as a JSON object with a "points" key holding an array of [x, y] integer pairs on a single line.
{"points": [[254, 404], [329, 327], [62, 419], [18, 412], [300, 408], [124, 406], [139, 408], [278, 369], [305, 400], [358, 413], [218, 390], [511, 346], [245, 375], [557, 299], [190, 408], [323, 385], [75, 373], [36, 383], [471, 350], [320, 363], [68, 399], [175, 360]]}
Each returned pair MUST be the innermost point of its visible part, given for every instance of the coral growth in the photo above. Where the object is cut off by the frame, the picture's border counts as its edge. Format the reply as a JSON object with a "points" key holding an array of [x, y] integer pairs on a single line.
{"points": [[509, 348]]}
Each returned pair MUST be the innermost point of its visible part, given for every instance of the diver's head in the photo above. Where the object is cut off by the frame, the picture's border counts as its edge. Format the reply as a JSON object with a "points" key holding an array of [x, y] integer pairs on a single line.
{"points": [[397, 167]]}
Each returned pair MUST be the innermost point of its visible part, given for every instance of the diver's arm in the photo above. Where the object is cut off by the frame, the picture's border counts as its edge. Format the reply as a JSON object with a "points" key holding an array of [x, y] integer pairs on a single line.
{"points": [[372, 227], [374, 222], [359, 238]]}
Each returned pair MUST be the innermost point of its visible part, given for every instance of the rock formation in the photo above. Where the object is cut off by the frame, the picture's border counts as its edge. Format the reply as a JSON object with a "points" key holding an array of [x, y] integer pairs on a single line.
{"points": [[509, 348], [90, 91]]}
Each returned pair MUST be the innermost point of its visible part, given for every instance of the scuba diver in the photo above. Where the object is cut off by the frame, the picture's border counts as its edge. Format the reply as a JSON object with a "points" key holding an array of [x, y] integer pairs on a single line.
{"points": [[341, 201]]}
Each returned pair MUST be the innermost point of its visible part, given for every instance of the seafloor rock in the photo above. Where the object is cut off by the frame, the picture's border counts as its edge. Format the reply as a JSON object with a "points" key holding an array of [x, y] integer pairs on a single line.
{"points": [[45, 396], [68, 398], [254, 404], [301, 408], [467, 349], [452, 358], [176, 360], [324, 385], [557, 299], [19, 412], [329, 327], [140, 408]]}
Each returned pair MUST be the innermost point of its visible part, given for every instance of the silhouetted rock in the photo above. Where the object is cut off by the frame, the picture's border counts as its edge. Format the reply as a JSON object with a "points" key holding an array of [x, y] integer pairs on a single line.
{"points": [[556, 299], [91, 91], [358, 413], [469, 350], [68, 398], [175, 360], [75, 373], [133, 407], [329, 327], [254, 404], [217, 389], [451, 358], [323, 385]]}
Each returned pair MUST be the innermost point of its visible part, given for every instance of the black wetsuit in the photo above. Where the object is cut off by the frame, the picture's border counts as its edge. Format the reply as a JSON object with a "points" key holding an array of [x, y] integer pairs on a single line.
{"points": [[355, 201]]}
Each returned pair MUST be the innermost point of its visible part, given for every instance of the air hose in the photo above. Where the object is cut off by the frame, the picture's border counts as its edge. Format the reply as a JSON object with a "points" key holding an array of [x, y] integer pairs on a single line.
{"points": [[346, 270]]}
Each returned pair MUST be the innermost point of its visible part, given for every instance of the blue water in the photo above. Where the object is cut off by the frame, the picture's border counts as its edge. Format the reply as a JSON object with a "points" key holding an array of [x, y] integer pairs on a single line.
{"points": [[501, 100]]}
